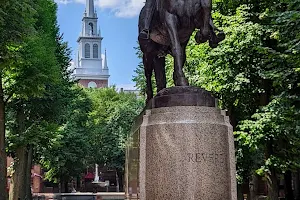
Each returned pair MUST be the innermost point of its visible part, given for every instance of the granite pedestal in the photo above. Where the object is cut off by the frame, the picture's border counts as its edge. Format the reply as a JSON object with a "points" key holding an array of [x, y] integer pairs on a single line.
{"points": [[181, 148]]}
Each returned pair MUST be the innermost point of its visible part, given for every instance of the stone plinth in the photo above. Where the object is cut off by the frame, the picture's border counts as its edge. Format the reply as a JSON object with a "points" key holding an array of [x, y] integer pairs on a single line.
{"points": [[182, 153]]}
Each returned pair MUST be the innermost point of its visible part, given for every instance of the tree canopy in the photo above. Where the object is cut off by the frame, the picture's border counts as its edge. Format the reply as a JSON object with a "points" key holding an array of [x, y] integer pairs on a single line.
{"points": [[111, 119]]}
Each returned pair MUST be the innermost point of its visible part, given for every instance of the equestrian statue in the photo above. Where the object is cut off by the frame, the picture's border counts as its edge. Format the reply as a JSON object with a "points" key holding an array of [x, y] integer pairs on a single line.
{"points": [[165, 27]]}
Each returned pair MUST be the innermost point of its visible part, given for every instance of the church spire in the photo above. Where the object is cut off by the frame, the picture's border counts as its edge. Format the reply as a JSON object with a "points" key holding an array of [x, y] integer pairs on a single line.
{"points": [[105, 61], [91, 68], [90, 8]]}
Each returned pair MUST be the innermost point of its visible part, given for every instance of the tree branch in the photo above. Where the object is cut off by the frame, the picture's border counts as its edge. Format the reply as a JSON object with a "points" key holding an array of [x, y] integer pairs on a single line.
{"points": [[8, 98]]}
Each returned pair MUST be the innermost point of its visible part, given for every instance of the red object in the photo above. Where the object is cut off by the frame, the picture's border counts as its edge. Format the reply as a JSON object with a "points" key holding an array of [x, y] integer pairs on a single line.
{"points": [[89, 175]]}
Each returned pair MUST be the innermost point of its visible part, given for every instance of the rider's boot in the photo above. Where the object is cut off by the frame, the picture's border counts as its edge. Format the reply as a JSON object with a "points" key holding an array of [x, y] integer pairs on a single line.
{"points": [[149, 11]]}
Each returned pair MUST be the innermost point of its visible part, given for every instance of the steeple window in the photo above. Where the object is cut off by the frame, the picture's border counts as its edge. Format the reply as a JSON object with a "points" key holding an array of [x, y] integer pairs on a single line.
{"points": [[87, 50], [95, 51], [91, 27]]}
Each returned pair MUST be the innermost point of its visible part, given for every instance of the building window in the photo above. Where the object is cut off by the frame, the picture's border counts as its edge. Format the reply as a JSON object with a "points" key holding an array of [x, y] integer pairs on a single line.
{"points": [[95, 51], [92, 84], [87, 50]]}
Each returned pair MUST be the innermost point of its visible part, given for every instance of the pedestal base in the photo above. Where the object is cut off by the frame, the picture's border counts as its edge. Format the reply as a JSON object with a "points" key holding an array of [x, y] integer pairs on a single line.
{"points": [[182, 153]]}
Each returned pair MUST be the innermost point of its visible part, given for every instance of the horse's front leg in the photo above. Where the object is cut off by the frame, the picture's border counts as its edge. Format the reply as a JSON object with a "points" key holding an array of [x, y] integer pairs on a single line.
{"points": [[177, 51], [183, 46], [160, 73], [148, 68], [215, 38], [206, 7]]}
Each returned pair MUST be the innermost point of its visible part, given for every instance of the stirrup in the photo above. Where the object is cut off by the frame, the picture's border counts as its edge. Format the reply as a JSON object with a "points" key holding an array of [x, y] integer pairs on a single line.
{"points": [[145, 34]]}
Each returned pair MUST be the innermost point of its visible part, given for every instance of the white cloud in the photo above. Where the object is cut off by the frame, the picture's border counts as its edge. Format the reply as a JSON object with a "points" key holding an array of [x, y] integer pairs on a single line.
{"points": [[121, 8], [107, 3], [80, 1], [62, 1]]}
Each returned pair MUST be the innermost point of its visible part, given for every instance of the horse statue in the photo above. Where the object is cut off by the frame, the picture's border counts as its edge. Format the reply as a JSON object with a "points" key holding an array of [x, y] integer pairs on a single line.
{"points": [[173, 23]]}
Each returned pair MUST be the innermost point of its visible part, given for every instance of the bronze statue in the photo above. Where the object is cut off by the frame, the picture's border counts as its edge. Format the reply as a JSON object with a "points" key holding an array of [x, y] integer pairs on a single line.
{"points": [[165, 27]]}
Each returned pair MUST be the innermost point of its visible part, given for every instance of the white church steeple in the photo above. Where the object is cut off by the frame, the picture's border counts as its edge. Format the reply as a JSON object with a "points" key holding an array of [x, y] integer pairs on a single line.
{"points": [[90, 8], [89, 68]]}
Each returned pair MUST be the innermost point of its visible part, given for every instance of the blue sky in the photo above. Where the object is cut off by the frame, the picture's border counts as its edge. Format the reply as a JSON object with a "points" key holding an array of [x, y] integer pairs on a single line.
{"points": [[118, 22]]}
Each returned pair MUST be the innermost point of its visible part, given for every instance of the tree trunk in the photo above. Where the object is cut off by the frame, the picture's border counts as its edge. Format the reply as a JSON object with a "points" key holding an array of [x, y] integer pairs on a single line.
{"points": [[3, 157], [28, 194], [78, 184], [288, 185], [63, 186], [253, 187], [120, 174], [240, 195], [297, 185], [273, 189], [265, 97], [20, 163], [66, 183], [273, 185], [271, 177], [17, 189], [247, 182]]}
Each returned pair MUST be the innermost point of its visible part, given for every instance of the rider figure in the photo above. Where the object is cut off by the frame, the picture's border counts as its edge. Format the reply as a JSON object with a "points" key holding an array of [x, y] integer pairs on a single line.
{"points": [[149, 11]]}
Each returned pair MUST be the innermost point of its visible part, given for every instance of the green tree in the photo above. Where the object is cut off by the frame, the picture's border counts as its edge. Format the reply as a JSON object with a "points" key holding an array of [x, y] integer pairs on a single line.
{"points": [[110, 121], [67, 154], [15, 23], [275, 126], [42, 115], [35, 79]]}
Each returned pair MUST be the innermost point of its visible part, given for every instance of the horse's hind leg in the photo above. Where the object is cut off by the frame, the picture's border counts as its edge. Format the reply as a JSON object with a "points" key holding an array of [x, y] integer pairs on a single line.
{"points": [[160, 73], [148, 67], [177, 51]]}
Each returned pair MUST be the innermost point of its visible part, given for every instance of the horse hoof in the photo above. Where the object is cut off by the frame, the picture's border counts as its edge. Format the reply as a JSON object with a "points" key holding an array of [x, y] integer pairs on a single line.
{"points": [[213, 44], [182, 82], [221, 36], [199, 38], [148, 98]]}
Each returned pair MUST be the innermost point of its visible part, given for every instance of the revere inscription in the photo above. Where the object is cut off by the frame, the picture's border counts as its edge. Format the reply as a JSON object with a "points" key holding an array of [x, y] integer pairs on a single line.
{"points": [[206, 157]]}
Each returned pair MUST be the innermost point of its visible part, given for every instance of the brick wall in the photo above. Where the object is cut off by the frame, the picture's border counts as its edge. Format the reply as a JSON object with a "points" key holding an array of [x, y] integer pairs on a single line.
{"points": [[100, 83], [37, 179]]}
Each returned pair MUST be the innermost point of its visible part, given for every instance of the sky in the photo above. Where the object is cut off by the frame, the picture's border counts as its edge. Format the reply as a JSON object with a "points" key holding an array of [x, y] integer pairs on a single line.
{"points": [[118, 21]]}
